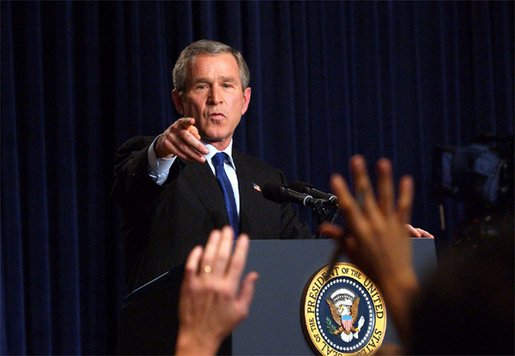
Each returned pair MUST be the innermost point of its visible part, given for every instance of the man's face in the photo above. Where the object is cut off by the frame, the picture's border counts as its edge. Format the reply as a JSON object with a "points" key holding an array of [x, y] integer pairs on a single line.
{"points": [[214, 97]]}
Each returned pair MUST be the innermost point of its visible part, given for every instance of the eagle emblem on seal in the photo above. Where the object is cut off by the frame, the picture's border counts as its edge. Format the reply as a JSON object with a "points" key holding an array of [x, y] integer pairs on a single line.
{"points": [[344, 305]]}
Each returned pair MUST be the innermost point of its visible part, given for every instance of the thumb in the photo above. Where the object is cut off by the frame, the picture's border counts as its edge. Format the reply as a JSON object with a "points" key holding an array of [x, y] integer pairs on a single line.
{"points": [[194, 131], [247, 292]]}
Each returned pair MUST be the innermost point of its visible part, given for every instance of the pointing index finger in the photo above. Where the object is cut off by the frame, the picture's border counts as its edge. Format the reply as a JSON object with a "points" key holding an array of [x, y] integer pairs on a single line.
{"points": [[191, 135]]}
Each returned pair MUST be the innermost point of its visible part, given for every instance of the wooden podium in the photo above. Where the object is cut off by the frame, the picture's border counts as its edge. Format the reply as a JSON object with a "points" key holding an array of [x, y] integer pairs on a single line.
{"points": [[148, 322]]}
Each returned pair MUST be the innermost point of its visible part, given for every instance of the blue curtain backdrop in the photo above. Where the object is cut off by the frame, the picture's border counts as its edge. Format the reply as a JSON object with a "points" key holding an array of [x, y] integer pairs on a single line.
{"points": [[330, 79]]}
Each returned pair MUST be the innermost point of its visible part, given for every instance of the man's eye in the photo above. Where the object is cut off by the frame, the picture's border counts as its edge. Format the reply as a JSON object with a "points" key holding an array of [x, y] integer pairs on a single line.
{"points": [[228, 85], [201, 86]]}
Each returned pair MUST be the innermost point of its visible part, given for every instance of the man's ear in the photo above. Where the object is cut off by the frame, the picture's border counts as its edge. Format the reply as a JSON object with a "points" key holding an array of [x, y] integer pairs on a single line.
{"points": [[246, 99], [177, 101]]}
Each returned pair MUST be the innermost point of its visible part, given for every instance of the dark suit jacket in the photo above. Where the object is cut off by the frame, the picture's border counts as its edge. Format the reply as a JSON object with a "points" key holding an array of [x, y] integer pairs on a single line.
{"points": [[161, 224]]}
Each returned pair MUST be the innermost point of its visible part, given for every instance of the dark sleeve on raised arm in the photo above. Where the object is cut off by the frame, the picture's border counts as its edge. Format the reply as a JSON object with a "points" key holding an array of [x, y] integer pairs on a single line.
{"points": [[136, 194], [131, 180]]}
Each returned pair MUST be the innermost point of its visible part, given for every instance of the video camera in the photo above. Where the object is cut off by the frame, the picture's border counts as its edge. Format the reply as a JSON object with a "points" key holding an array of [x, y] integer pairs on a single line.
{"points": [[480, 175]]}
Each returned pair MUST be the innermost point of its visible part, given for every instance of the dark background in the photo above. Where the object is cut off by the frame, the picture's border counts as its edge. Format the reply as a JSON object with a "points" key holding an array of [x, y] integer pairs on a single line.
{"points": [[329, 79]]}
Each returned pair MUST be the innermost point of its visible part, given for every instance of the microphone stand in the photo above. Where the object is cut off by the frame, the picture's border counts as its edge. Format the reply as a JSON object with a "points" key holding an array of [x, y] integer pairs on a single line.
{"points": [[323, 213]]}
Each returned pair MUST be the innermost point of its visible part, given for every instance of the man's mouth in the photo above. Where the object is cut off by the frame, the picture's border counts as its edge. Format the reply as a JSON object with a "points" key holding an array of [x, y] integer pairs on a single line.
{"points": [[216, 115]]}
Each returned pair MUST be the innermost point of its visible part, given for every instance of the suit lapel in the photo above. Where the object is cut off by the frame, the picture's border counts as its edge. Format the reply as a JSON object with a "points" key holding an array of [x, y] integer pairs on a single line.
{"points": [[203, 183], [248, 193]]}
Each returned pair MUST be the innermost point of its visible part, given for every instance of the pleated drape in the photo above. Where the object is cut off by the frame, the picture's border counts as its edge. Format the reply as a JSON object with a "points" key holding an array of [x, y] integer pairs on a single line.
{"points": [[329, 79]]}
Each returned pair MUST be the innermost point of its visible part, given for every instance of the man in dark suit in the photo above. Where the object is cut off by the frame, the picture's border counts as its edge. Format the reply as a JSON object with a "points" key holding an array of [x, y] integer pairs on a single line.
{"points": [[167, 187]]}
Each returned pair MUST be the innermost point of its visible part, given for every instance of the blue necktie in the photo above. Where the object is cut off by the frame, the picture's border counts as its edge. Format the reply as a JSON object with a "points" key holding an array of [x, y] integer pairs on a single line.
{"points": [[218, 162]]}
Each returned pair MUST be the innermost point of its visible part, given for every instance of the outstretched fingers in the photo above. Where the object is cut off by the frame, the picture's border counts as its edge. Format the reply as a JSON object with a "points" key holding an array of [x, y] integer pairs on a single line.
{"points": [[334, 231], [405, 200], [192, 265], [238, 262], [364, 190], [350, 207], [239, 258], [223, 254], [246, 293], [210, 252], [182, 138], [385, 191], [345, 199]]}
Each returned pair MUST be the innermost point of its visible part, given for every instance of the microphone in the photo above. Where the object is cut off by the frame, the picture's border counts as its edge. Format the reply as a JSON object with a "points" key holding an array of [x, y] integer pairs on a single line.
{"points": [[311, 190], [281, 194]]}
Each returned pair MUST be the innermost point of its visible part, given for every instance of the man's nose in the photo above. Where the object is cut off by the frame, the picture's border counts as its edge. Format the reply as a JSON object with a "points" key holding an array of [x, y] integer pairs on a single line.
{"points": [[216, 94]]}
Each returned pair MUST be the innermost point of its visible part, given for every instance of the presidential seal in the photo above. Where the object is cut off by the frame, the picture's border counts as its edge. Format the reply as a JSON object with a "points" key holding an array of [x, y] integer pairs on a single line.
{"points": [[343, 313]]}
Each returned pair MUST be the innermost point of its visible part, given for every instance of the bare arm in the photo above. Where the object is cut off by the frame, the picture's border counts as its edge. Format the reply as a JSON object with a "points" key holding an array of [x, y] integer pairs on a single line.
{"points": [[378, 239], [212, 300]]}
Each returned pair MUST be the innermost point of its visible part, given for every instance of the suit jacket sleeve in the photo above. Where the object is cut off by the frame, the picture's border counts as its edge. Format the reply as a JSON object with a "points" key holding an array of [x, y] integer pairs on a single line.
{"points": [[135, 193]]}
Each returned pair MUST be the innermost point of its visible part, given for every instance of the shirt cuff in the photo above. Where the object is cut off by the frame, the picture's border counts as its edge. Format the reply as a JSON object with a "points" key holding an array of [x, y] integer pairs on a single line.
{"points": [[158, 168]]}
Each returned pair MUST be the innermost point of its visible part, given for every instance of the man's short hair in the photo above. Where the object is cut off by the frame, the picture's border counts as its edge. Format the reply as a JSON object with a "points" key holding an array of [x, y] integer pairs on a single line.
{"points": [[180, 70]]}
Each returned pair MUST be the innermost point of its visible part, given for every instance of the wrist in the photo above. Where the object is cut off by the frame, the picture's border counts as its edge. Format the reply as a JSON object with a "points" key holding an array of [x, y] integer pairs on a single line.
{"points": [[159, 149], [402, 285], [190, 344], [399, 294]]}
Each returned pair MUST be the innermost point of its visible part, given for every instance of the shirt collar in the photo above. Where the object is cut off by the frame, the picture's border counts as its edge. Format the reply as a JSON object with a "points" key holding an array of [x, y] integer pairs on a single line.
{"points": [[213, 151]]}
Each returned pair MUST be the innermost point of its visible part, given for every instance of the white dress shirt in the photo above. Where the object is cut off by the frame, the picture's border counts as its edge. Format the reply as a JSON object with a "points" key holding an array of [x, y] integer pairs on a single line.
{"points": [[159, 167]]}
